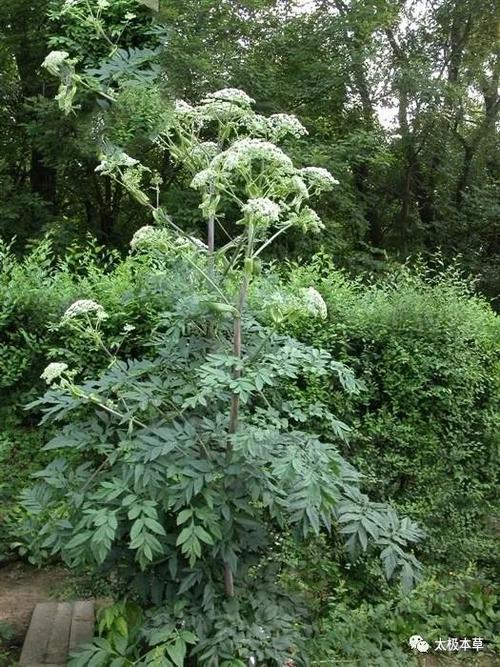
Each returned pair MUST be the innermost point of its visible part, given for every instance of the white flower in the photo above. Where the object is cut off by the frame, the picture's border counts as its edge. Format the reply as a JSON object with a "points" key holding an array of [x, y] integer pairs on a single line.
{"points": [[282, 124], [127, 328], [244, 151], [299, 186], [225, 106], [84, 306], [262, 210], [319, 178], [148, 237], [284, 305], [204, 151], [202, 179], [53, 371], [182, 107], [314, 302], [280, 305], [232, 95], [142, 234], [54, 60], [222, 111], [163, 239]]}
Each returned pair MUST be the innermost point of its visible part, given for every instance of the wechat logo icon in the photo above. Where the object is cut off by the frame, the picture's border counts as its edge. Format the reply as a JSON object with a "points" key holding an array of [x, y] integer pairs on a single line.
{"points": [[418, 643]]}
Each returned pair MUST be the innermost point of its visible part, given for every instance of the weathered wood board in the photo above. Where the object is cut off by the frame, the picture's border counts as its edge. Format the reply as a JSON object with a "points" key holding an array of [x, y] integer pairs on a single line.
{"points": [[56, 629]]}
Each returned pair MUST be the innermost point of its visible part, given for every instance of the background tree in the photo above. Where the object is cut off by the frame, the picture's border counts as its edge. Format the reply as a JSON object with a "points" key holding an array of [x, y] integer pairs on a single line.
{"points": [[400, 100]]}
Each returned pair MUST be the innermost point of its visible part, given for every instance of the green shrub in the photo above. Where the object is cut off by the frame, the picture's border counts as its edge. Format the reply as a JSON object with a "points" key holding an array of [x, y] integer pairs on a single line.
{"points": [[423, 431], [34, 293], [456, 605]]}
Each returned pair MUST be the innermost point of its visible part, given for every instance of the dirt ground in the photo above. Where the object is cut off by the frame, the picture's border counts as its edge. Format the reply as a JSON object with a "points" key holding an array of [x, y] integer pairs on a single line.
{"points": [[21, 588]]}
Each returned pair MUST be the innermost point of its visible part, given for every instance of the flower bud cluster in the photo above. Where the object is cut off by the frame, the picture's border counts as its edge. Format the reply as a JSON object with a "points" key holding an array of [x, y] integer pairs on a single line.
{"points": [[314, 302], [283, 124], [262, 210], [243, 152], [84, 306], [318, 178], [53, 371], [149, 237], [54, 60]]}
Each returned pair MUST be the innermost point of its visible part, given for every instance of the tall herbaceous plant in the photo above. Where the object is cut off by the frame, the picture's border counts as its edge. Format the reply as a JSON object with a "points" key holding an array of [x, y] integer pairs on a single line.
{"points": [[176, 473]]}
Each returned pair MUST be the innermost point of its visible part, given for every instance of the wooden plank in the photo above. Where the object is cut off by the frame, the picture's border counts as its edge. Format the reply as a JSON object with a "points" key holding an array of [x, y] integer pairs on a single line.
{"points": [[55, 630], [38, 635], [57, 647], [82, 624]]}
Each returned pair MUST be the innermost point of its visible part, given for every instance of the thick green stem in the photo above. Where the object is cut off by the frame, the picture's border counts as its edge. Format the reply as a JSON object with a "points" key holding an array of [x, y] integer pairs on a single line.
{"points": [[211, 220], [237, 372]]}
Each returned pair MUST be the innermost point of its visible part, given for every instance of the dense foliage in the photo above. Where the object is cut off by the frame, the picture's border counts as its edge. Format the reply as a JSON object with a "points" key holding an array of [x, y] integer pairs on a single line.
{"points": [[137, 292], [425, 429]]}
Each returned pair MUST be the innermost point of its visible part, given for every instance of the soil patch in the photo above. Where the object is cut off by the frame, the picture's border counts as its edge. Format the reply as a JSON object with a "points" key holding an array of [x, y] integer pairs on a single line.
{"points": [[22, 586]]}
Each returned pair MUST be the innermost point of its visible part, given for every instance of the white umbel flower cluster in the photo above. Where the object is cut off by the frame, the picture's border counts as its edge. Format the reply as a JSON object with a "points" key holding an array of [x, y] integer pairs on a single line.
{"points": [[53, 371], [299, 187], [319, 178], [262, 210], [203, 179], [162, 239], [221, 112], [84, 306], [280, 305], [283, 124], [145, 233], [243, 152], [206, 150], [314, 302], [181, 107], [232, 95], [256, 124], [148, 238], [54, 60]]}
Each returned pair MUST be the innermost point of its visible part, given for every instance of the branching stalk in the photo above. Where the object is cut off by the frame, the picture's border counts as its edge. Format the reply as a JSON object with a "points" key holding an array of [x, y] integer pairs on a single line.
{"points": [[237, 372]]}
